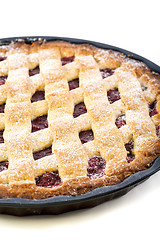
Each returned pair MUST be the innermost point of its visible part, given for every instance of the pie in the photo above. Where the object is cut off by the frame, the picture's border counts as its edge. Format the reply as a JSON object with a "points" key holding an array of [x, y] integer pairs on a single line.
{"points": [[73, 117]]}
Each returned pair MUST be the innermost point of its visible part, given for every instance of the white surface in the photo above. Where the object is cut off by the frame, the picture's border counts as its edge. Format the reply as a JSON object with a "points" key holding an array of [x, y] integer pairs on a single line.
{"points": [[130, 25]]}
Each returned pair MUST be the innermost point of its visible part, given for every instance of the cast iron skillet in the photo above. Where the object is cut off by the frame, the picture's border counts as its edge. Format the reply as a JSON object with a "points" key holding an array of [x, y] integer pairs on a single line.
{"points": [[60, 204]]}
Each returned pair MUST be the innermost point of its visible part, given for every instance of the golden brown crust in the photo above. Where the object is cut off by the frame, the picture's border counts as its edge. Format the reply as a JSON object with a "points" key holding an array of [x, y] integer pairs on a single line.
{"points": [[89, 59], [76, 186]]}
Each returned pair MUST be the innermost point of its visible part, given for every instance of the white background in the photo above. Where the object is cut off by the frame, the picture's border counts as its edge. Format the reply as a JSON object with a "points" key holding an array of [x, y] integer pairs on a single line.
{"points": [[132, 25]]}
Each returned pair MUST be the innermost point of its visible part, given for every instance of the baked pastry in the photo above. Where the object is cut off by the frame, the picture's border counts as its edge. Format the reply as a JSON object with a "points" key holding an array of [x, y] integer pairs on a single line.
{"points": [[73, 118]]}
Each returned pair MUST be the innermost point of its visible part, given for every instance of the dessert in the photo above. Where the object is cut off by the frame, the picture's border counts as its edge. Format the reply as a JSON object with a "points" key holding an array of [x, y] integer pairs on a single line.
{"points": [[73, 117]]}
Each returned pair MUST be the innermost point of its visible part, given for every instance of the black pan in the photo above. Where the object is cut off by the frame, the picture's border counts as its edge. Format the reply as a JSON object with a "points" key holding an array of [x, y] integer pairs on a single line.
{"points": [[60, 204]]}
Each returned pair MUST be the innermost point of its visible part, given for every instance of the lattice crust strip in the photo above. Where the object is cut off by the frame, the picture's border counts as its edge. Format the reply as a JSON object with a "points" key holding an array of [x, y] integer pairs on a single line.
{"points": [[137, 114], [71, 156], [17, 135], [138, 88], [107, 137]]}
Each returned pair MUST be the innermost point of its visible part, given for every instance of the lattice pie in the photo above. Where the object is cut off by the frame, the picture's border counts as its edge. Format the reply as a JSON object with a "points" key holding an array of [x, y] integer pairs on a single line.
{"points": [[73, 118]]}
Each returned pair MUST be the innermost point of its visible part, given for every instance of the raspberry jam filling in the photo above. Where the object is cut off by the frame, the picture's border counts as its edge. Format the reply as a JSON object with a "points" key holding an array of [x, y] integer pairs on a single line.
{"points": [[96, 167], [39, 123], [42, 153], [1, 136], [86, 136], [73, 84], [38, 96], [120, 121], [2, 107], [129, 148], [157, 130], [107, 72], [130, 157], [3, 166], [3, 58], [113, 95], [79, 109], [34, 71], [152, 109], [49, 179], [2, 79], [66, 60]]}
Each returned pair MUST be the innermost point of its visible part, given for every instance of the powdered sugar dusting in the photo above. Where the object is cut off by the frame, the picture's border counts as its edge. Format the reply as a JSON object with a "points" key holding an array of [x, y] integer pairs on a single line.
{"points": [[18, 137], [106, 134], [19, 142], [137, 113]]}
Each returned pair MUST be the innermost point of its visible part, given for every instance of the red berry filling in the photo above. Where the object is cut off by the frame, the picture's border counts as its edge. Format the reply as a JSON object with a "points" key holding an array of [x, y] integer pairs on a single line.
{"points": [[3, 166], [2, 107], [2, 79], [38, 96], [157, 130], [34, 71], [86, 136], [113, 95], [120, 121], [42, 153], [129, 147], [39, 123], [130, 158], [1, 136], [96, 167], [152, 109], [79, 109], [66, 60], [107, 72], [3, 58], [73, 84], [48, 179]]}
